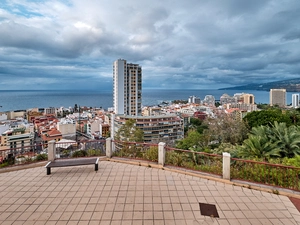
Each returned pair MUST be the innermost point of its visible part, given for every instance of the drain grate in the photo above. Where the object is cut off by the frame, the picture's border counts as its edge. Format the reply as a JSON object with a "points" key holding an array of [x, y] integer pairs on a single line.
{"points": [[208, 210]]}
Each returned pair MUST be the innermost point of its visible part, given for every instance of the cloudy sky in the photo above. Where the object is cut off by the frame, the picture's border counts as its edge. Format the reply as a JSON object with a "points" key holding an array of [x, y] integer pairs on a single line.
{"points": [[206, 44]]}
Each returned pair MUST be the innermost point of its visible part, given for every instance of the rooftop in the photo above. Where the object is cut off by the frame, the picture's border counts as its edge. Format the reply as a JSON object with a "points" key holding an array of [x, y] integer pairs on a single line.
{"points": [[121, 193]]}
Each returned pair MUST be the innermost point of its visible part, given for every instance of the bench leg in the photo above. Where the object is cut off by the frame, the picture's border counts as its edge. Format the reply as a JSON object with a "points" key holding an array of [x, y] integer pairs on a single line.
{"points": [[96, 167], [48, 170]]}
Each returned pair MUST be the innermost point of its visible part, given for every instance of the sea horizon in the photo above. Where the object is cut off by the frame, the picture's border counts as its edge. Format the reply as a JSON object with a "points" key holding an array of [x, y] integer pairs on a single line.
{"points": [[13, 100]]}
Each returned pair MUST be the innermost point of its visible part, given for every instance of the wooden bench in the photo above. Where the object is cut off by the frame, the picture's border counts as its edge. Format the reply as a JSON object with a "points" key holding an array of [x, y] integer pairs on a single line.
{"points": [[72, 162]]}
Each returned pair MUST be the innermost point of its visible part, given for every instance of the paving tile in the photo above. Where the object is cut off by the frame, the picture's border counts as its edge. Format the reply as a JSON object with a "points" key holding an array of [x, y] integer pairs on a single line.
{"points": [[127, 194]]}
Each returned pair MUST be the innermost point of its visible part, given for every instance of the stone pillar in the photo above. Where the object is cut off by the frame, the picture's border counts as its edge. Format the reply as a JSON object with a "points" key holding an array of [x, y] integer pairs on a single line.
{"points": [[226, 165], [51, 150], [161, 153], [108, 147]]}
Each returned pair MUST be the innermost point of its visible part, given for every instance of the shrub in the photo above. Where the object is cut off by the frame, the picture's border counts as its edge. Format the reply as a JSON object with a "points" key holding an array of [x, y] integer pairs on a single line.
{"points": [[4, 164], [80, 153], [175, 158], [41, 157], [94, 152], [151, 154]]}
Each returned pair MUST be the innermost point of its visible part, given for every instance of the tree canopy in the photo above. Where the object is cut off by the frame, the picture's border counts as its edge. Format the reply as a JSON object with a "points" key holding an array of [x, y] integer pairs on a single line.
{"points": [[129, 132], [267, 118]]}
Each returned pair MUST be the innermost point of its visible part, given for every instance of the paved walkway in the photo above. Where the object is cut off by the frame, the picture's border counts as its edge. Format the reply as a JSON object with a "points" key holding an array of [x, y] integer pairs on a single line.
{"points": [[122, 194]]}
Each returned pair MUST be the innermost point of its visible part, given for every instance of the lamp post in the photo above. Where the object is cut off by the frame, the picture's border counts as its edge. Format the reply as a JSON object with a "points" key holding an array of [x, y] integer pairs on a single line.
{"points": [[77, 139]]}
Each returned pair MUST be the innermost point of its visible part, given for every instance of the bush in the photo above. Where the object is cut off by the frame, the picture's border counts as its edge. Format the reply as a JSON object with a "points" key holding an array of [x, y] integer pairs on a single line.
{"points": [[175, 158], [4, 164], [94, 152], [130, 151], [151, 154], [41, 157], [267, 174], [80, 153]]}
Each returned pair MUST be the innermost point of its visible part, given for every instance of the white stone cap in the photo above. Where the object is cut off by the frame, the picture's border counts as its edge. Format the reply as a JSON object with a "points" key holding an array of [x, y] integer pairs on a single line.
{"points": [[226, 154]]}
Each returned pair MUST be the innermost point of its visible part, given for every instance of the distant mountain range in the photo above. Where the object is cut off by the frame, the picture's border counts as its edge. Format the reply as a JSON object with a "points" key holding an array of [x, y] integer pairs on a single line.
{"points": [[292, 85]]}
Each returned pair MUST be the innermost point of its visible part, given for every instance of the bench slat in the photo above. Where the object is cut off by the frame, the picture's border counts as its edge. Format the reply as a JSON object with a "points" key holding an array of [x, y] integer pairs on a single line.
{"points": [[72, 162]]}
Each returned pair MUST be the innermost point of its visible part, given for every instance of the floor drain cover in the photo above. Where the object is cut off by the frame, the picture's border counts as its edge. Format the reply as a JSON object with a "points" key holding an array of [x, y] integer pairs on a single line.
{"points": [[208, 210]]}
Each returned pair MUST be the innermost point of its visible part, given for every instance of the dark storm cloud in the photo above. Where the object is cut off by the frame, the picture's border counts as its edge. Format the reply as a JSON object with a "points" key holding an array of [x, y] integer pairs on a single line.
{"points": [[179, 44]]}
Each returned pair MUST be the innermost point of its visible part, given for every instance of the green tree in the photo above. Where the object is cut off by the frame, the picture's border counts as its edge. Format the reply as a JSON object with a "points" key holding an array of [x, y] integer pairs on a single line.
{"points": [[226, 147], [294, 115], [258, 147], [266, 118], [286, 138], [192, 140], [197, 124], [129, 132]]}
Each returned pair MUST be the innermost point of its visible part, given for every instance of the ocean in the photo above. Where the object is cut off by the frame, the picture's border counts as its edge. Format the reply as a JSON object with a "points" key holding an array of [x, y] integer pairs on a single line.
{"points": [[20, 100]]}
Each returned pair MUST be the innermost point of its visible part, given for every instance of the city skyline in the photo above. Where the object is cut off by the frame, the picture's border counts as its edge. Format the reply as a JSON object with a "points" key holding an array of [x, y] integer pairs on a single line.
{"points": [[197, 44]]}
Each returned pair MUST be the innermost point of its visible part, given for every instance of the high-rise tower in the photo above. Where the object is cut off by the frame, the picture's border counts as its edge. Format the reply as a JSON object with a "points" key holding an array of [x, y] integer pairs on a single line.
{"points": [[127, 92], [278, 97], [295, 100]]}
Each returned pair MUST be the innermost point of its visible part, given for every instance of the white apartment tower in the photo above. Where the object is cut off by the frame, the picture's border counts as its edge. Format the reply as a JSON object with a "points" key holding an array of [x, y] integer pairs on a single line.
{"points": [[127, 90], [295, 100], [278, 97]]}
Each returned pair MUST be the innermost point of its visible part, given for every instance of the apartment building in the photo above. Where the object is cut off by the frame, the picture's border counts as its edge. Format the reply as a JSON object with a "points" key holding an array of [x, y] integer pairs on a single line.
{"points": [[242, 106], [17, 138], [166, 128], [295, 100], [247, 98], [278, 97], [50, 111], [52, 134], [127, 88], [67, 127], [209, 100], [194, 99], [225, 99]]}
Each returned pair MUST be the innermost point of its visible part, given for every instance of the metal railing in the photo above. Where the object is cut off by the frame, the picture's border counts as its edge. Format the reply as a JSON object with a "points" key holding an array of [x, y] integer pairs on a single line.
{"points": [[266, 173], [199, 161], [80, 149], [136, 150], [245, 170], [21, 155]]}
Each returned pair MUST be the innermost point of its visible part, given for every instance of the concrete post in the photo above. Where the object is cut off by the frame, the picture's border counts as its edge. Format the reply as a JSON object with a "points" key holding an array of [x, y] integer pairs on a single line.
{"points": [[108, 147], [226, 165], [51, 150], [161, 153]]}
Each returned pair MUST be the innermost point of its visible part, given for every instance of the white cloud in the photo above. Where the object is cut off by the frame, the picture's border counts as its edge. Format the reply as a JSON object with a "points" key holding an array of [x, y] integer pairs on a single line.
{"points": [[180, 43]]}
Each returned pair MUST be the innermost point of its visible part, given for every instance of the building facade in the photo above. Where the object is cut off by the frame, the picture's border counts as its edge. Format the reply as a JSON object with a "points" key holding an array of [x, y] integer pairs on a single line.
{"points": [[17, 138], [295, 100], [166, 128], [278, 97], [194, 99], [209, 100], [127, 88], [247, 98]]}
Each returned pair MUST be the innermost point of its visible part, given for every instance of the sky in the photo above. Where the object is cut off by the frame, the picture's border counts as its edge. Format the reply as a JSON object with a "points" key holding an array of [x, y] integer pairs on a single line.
{"points": [[192, 44]]}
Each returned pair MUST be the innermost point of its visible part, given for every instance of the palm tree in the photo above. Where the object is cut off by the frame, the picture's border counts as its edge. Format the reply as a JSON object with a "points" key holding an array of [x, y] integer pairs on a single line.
{"points": [[287, 139], [262, 131], [294, 115], [258, 147]]}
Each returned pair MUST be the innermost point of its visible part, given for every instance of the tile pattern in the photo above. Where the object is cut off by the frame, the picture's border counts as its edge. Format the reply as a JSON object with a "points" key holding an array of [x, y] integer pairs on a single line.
{"points": [[122, 194]]}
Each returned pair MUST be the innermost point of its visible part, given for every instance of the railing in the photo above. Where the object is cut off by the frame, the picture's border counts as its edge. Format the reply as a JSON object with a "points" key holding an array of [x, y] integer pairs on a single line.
{"points": [[200, 161], [265, 173], [246, 170], [21, 155], [80, 149], [135, 150]]}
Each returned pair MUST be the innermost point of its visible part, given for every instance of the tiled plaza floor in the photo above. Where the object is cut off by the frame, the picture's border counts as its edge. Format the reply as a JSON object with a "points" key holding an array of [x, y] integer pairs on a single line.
{"points": [[122, 194]]}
